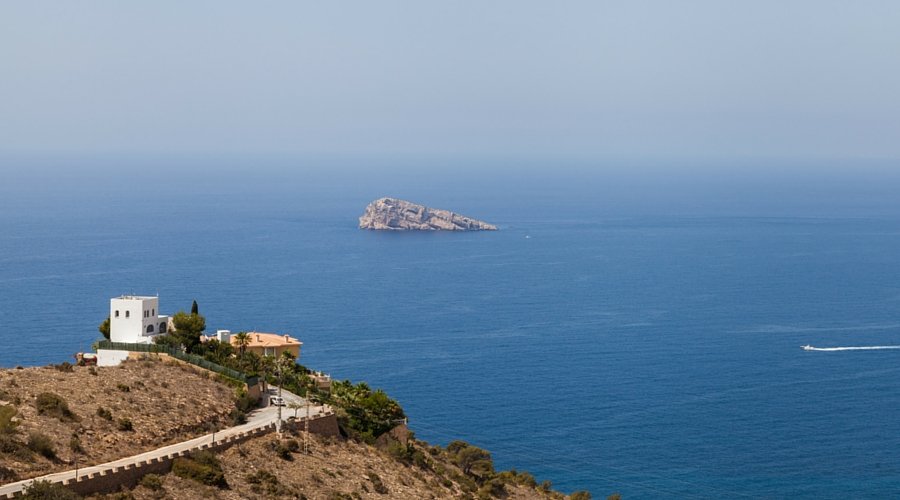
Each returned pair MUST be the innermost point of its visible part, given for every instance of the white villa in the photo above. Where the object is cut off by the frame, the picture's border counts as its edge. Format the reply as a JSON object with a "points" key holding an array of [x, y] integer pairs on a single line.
{"points": [[134, 320]]}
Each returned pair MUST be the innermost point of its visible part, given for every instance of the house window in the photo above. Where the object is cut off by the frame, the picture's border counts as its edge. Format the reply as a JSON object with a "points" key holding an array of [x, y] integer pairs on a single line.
{"points": [[149, 328], [270, 351], [117, 314], [127, 314], [154, 312], [162, 328]]}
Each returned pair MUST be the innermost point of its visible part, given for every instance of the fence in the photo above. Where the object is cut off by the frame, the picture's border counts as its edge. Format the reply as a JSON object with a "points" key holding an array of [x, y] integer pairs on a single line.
{"points": [[178, 354]]}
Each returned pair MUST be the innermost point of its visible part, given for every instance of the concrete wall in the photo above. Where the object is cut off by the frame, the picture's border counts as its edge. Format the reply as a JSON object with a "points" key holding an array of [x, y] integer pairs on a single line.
{"points": [[108, 357], [326, 425]]}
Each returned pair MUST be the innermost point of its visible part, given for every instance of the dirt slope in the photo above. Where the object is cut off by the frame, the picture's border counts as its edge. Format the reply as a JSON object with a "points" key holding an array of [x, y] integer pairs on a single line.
{"points": [[165, 403], [335, 469]]}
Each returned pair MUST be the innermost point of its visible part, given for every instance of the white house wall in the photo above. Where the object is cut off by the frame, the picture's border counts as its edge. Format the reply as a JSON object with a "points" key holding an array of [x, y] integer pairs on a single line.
{"points": [[108, 357]]}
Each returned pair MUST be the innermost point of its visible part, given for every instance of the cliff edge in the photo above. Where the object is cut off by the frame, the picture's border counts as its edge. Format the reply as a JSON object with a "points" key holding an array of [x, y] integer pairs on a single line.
{"points": [[391, 214]]}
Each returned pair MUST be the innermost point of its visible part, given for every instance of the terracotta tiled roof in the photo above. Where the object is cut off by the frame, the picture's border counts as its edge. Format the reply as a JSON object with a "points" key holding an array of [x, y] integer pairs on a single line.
{"points": [[260, 339]]}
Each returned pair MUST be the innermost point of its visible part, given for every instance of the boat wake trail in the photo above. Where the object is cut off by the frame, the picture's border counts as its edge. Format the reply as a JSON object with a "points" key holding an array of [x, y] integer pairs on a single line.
{"points": [[860, 348]]}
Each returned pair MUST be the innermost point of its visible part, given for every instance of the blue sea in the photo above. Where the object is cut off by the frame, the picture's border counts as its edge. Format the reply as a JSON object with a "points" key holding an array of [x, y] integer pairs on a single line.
{"points": [[631, 331]]}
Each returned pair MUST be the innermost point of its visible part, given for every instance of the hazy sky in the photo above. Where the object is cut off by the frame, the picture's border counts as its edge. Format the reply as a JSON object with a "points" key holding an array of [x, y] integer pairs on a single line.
{"points": [[518, 79]]}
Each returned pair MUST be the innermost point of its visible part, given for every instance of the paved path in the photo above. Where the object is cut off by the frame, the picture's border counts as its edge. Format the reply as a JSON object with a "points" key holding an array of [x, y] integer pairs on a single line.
{"points": [[256, 419]]}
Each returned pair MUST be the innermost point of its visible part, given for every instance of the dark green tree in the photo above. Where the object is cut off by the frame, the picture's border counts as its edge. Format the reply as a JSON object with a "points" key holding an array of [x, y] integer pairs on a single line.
{"points": [[194, 308], [104, 328], [474, 461], [188, 328]]}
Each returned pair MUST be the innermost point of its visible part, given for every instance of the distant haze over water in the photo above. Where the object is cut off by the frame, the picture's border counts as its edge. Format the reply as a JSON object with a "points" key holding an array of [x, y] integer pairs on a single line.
{"points": [[632, 327]]}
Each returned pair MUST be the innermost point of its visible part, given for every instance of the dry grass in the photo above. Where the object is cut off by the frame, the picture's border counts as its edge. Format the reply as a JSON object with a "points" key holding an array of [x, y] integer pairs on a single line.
{"points": [[165, 403], [335, 469]]}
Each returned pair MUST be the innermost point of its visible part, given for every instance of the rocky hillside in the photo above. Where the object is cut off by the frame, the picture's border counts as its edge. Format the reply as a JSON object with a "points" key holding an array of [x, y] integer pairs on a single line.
{"points": [[336, 469], [49, 416], [391, 214]]}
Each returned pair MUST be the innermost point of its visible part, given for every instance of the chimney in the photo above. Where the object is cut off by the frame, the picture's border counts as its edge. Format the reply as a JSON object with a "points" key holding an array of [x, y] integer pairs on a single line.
{"points": [[257, 338], [287, 339]]}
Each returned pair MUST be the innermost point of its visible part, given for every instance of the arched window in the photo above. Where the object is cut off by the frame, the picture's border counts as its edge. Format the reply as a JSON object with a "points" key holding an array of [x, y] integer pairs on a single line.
{"points": [[149, 328], [127, 314], [117, 313], [162, 328]]}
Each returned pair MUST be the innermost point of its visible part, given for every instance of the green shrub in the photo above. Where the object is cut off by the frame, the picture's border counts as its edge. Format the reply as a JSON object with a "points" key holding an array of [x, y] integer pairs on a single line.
{"points": [[75, 444], [492, 489], [64, 367], [614, 496], [45, 490], [377, 484], [7, 424], [281, 449], [104, 413], [7, 475], [152, 482], [54, 405], [124, 424], [419, 459], [123, 387], [202, 467], [9, 443], [474, 461], [10, 398], [580, 495], [546, 485], [41, 444], [366, 414], [526, 479], [263, 481]]}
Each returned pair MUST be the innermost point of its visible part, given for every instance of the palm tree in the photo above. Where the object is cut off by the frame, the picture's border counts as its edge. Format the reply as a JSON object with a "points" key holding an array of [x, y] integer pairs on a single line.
{"points": [[242, 339]]}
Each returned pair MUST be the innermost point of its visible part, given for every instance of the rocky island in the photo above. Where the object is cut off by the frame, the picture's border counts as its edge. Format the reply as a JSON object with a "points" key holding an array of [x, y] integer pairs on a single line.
{"points": [[391, 214]]}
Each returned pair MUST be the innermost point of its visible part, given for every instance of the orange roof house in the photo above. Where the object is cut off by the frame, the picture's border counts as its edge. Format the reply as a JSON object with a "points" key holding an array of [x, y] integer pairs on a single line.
{"points": [[270, 344]]}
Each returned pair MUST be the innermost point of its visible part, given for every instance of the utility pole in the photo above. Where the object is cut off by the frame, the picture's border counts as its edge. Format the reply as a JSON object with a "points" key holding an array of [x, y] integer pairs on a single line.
{"points": [[280, 383], [306, 425]]}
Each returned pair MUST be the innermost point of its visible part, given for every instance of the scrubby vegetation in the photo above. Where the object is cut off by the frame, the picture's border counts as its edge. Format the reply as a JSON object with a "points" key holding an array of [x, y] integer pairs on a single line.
{"points": [[366, 414], [265, 483], [202, 467], [64, 367], [45, 490], [41, 444], [7, 423], [48, 403], [152, 482], [125, 424], [104, 413]]}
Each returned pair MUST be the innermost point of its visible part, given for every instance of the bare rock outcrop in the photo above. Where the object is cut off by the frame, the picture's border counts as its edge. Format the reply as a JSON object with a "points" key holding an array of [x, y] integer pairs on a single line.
{"points": [[391, 214]]}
